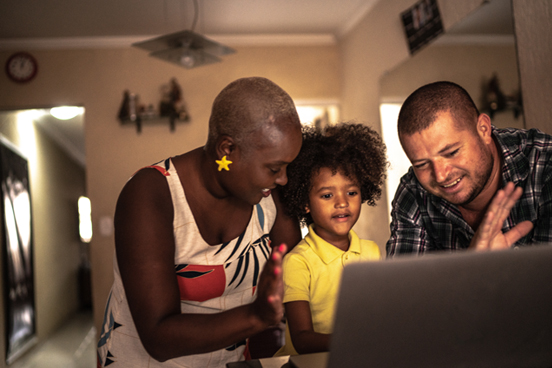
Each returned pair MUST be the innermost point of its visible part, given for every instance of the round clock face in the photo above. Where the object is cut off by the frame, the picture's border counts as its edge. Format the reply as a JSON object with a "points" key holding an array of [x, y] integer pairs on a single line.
{"points": [[21, 67]]}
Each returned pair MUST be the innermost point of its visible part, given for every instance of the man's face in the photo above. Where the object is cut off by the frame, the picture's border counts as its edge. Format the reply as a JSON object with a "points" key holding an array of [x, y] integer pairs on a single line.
{"points": [[451, 163]]}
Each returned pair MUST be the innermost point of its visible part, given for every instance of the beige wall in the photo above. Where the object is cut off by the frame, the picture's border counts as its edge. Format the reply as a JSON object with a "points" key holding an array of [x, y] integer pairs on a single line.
{"points": [[97, 79], [56, 184], [469, 66], [377, 45], [534, 47], [374, 47]]}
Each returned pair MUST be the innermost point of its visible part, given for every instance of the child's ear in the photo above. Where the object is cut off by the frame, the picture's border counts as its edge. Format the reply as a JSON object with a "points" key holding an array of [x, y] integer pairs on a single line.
{"points": [[307, 209]]}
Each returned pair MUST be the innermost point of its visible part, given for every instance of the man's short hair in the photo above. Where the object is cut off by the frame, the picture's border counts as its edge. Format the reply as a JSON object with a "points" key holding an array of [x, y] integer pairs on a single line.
{"points": [[422, 107], [246, 105]]}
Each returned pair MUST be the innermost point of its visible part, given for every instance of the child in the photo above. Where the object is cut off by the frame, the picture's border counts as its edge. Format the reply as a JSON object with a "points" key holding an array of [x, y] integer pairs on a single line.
{"points": [[336, 171]]}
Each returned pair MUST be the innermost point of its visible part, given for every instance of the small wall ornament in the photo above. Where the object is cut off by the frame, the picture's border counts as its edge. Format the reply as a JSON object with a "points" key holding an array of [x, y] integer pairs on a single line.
{"points": [[172, 102], [171, 106], [495, 100]]}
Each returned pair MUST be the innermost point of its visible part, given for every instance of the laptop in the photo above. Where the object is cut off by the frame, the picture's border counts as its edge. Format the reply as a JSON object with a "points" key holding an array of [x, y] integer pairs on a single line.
{"points": [[466, 309]]}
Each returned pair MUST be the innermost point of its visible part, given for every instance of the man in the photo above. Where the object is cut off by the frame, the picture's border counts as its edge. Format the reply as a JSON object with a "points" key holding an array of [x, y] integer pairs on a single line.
{"points": [[471, 186]]}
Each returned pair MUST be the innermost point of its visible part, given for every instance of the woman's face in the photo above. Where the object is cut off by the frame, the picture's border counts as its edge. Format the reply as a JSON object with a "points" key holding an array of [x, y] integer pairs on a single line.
{"points": [[262, 166]]}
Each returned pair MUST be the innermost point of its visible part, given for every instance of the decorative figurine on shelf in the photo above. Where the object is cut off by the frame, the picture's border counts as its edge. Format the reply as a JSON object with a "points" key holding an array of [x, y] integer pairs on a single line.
{"points": [[130, 107], [124, 113], [496, 101], [165, 106], [150, 112], [175, 93], [172, 103], [133, 107], [495, 97]]}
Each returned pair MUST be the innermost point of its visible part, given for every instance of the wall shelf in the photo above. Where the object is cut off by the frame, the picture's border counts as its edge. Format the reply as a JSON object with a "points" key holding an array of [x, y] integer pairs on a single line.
{"points": [[141, 119]]}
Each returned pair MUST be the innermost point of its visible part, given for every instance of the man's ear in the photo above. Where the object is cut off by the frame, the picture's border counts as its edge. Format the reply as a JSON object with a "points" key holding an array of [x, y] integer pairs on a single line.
{"points": [[225, 146], [484, 128]]}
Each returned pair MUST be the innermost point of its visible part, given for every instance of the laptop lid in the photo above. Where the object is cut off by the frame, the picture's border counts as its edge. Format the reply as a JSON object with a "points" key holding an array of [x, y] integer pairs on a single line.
{"points": [[467, 309], [314, 360]]}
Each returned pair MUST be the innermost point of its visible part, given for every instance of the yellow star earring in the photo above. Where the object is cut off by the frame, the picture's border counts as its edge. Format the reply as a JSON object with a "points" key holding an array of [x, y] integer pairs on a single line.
{"points": [[223, 164]]}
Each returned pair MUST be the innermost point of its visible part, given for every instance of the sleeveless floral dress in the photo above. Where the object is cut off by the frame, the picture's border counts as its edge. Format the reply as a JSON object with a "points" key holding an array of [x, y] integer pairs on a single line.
{"points": [[211, 279]]}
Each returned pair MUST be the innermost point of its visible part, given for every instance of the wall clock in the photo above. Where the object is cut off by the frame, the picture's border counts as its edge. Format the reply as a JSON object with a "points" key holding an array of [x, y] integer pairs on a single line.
{"points": [[21, 67]]}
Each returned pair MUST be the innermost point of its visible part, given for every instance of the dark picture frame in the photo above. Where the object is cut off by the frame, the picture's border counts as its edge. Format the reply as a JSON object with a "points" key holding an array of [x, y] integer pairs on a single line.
{"points": [[422, 24], [17, 251]]}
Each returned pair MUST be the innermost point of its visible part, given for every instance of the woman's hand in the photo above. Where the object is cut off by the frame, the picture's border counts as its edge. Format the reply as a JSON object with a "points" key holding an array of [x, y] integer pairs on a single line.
{"points": [[268, 307]]}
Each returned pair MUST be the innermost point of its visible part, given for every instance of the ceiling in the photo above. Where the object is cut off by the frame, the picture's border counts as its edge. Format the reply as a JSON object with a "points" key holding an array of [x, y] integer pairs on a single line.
{"points": [[29, 22], [100, 18]]}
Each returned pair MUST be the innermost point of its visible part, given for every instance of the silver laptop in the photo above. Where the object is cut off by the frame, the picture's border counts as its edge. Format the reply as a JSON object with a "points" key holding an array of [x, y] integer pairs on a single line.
{"points": [[467, 309]]}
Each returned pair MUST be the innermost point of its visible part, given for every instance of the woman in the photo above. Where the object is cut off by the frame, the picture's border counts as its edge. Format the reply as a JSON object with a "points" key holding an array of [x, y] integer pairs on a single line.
{"points": [[192, 234]]}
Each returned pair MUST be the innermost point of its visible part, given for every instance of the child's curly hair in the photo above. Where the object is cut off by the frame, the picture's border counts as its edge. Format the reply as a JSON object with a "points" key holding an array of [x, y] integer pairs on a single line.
{"points": [[355, 150]]}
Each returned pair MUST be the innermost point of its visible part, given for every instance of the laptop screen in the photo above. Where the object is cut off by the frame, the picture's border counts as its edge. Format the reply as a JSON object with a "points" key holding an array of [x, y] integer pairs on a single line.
{"points": [[467, 309]]}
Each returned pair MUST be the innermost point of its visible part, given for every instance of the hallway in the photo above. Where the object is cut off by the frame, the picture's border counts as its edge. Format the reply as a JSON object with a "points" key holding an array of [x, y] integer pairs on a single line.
{"points": [[72, 346]]}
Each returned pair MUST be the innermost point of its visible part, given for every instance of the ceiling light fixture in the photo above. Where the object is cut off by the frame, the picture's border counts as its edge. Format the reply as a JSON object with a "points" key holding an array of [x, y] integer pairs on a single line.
{"points": [[186, 48], [66, 112]]}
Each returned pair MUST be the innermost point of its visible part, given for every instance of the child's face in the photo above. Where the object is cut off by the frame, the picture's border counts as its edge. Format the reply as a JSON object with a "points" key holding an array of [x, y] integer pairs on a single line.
{"points": [[334, 204]]}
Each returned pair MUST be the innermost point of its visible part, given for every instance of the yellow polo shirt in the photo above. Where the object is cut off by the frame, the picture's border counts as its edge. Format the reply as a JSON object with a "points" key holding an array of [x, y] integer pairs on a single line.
{"points": [[312, 272]]}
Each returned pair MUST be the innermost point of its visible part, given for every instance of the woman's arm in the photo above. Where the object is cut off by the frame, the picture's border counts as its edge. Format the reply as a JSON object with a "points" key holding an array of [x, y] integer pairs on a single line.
{"points": [[303, 337], [286, 229], [145, 252]]}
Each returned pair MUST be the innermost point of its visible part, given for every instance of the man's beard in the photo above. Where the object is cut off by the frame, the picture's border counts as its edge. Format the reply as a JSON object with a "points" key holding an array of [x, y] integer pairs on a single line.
{"points": [[481, 179]]}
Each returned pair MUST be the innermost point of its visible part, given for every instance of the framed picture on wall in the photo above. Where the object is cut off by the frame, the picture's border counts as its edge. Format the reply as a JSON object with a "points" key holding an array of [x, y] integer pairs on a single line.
{"points": [[17, 251], [422, 24]]}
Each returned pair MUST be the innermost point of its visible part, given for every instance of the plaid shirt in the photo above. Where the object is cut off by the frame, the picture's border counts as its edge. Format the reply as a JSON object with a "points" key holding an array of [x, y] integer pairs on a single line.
{"points": [[422, 222]]}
